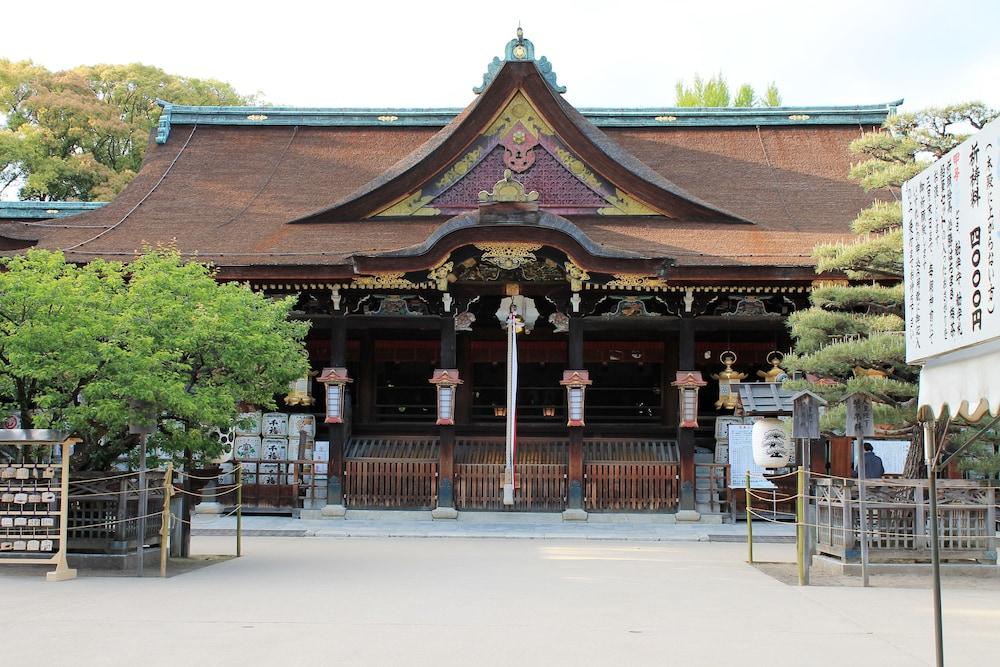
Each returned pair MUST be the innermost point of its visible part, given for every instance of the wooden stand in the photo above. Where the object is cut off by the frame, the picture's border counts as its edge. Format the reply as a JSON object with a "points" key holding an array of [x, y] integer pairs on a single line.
{"points": [[62, 572]]}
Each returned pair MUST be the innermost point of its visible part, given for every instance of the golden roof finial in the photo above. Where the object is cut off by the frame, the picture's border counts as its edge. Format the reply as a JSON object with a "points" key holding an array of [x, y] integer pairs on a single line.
{"points": [[506, 190]]}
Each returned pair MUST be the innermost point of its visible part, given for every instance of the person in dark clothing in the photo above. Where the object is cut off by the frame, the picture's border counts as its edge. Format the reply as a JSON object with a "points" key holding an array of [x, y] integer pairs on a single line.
{"points": [[873, 464]]}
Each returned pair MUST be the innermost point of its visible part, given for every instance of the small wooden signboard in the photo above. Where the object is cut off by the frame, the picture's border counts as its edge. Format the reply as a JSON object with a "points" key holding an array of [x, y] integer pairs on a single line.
{"points": [[860, 415], [34, 503]]}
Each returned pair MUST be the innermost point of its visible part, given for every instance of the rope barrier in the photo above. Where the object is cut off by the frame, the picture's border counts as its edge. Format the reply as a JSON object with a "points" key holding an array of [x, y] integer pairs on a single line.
{"points": [[131, 473], [228, 489], [114, 493], [873, 532], [219, 518], [112, 523], [180, 473]]}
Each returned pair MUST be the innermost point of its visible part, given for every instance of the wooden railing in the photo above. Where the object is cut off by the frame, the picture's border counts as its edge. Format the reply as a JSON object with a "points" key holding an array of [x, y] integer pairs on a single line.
{"points": [[631, 485], [278, 484], [540, 487], [899, 519], [102, 512], [712, 486], [390, 483]]}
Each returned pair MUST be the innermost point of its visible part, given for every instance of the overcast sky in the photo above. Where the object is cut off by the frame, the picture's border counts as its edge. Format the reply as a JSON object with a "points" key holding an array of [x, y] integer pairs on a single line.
{"points": [[425, 53]]}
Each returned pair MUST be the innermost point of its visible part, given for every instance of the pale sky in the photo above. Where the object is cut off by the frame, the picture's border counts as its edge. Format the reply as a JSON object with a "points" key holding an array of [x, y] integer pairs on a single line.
{"points": [[425, 53]]}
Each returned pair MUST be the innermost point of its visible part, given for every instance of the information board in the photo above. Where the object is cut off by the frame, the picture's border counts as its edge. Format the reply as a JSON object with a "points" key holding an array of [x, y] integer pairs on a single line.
{"points": [[741, 459], [950, 237]]}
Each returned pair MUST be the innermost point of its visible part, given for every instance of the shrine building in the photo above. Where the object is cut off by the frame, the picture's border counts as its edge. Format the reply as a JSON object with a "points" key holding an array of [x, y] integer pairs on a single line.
{"points": [[643, 248]]}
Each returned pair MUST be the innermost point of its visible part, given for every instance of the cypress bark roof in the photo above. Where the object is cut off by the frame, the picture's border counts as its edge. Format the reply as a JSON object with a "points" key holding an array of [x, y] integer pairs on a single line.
{"points": [[230, 192]]}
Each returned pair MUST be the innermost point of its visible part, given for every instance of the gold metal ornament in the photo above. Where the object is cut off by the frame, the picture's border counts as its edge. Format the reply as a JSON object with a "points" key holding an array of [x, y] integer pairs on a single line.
{"points": [[507, 189], [729, 397], [508, 255], [775, 373]]}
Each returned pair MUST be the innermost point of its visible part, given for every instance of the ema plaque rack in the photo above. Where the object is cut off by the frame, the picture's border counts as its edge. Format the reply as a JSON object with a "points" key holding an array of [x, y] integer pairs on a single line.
{"points": [[34, 501]]}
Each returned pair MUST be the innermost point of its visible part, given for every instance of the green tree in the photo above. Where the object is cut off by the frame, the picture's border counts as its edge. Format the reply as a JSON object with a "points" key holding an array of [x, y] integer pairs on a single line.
{"points": [[715, 93], [80, 134], [851, 337], [78, 343]]}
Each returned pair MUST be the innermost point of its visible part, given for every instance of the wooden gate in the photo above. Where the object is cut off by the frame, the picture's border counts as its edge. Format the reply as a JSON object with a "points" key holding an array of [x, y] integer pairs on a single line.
{"points": [[631, 475], [391, 473], [540, 483]]}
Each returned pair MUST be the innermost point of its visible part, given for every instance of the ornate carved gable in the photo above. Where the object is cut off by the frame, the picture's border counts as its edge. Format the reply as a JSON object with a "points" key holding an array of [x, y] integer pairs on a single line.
{"points": [[520, 122], [522, 140]]}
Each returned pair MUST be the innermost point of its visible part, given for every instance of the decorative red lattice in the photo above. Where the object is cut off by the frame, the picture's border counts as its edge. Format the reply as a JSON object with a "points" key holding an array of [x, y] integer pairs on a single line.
{"points": [[556, 186]]}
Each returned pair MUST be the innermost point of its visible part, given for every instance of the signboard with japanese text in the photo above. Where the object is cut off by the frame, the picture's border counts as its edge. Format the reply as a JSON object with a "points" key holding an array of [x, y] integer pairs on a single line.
{"points": [[950, 238]]}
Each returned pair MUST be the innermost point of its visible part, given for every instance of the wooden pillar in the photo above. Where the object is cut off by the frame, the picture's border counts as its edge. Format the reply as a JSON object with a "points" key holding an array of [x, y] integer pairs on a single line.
{"points": [[668, 394], [366, 378], [685, 436], [446, 433], [574, 499], [336, 433], [463, 410]]}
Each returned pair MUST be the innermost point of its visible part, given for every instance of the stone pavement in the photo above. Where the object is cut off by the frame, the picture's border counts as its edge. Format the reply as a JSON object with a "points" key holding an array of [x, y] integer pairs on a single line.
{"points": [[483, 602], [520, 525]]}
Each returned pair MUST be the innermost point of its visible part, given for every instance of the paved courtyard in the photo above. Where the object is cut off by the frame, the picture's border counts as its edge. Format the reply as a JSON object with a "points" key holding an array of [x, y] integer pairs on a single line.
{"points": [[482, 601]]}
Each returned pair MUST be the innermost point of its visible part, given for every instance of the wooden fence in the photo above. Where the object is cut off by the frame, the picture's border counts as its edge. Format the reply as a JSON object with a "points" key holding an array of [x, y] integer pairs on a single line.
{"points": [[631, 486], [899, 519], [284, 484], [390, 483], [102, 512], [539, 486]]}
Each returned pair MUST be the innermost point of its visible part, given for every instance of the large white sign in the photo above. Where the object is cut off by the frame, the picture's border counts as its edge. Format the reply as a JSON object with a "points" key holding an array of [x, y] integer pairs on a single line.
{"points": [[741, 459], [950, 238]]}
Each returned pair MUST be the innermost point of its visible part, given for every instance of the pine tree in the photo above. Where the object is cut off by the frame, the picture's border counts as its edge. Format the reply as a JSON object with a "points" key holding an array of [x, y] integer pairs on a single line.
{"points": [[851, 338]]}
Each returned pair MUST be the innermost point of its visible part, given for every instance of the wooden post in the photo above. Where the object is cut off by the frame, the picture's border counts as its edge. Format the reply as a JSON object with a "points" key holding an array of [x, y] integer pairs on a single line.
{"points": [[366, 378], [800, 534], [574, 361], [464, 391], [685, 436], [335, 432], [63, 571], [239, 510], [446, 432], [749, 520], [168, 487]]}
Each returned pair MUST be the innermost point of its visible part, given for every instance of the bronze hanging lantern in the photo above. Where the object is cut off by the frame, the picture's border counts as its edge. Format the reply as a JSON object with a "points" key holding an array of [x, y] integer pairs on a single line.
{"points": [[729, 398], [775, 373]]}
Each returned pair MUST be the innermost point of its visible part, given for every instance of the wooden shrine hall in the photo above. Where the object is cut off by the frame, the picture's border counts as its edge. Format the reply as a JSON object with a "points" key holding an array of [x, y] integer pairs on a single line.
{"points": [[639, 246]]}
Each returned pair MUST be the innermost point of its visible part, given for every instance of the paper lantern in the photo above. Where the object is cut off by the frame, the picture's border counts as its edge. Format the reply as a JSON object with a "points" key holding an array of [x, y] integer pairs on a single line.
{"points": [[576, 383], [688, 383], [445, 379], [772, 448], [335, 380]]}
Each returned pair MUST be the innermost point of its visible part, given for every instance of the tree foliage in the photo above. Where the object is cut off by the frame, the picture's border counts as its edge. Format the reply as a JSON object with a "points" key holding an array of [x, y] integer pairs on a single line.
{"points": [[80, 134], [79, 343], [851, 338], [715, 92]]}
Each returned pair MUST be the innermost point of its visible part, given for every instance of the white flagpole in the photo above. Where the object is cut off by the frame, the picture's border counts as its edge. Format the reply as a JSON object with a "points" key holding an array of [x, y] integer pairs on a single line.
{"points": [[508, 472]]}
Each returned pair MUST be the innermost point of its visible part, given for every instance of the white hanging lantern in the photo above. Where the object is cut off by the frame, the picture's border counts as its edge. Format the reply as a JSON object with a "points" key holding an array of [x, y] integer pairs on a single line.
{"points": [[772, 447], [576, 383], [335, 380], [688, 383], [446, 380]]}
